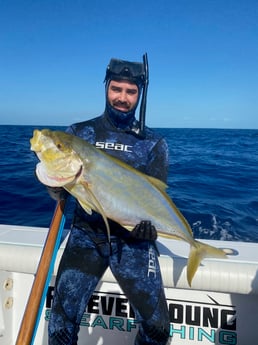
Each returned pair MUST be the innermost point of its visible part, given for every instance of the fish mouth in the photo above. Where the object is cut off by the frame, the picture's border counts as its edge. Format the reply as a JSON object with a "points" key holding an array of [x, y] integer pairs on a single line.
{"points": [[56, 180]]}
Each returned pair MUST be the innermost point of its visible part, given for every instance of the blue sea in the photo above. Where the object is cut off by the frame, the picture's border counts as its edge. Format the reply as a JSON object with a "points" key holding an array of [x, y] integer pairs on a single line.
{"points": [[213, 180]]}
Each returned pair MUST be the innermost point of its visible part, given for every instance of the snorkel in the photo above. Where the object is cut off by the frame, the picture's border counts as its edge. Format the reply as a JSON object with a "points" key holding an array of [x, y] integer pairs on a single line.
{"points": [[144, 96], [137, 73]]}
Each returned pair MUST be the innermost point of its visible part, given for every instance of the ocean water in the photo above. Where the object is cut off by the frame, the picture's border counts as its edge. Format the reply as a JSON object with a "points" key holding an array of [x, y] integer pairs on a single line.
{"points": [[213, 180]]}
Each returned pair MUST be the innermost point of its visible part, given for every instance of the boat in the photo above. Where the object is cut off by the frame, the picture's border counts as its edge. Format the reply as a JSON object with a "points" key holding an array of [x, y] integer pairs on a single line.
{"points": [[221, 306]]}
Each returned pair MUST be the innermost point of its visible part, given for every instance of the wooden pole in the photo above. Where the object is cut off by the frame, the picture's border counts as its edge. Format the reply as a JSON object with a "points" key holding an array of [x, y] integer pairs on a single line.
{"points": [[30, 315]]}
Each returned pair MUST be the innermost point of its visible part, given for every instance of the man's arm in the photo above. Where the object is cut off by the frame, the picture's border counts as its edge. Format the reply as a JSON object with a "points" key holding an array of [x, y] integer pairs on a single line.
{"points": [[158, 161]]}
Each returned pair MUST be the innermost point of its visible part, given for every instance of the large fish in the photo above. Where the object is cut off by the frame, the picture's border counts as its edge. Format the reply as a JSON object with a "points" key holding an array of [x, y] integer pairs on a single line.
{"points": [[114, 189]]}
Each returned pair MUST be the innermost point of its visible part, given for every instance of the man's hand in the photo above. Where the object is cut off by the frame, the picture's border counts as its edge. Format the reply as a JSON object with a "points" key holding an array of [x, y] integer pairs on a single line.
{"points": [[57, 193], [144, 231]]}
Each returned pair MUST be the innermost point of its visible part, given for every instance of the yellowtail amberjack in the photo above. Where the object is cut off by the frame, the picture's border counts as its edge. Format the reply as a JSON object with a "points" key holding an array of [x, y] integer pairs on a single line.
{"points": [[114, 189]]}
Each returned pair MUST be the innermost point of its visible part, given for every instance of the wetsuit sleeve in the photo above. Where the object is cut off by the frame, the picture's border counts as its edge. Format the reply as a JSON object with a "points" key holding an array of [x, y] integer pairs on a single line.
{"points": [[158, 161]]}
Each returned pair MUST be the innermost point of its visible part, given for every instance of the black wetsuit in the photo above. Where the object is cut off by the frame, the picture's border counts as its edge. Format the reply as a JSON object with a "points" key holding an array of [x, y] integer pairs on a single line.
{"points": [[88, 252]]}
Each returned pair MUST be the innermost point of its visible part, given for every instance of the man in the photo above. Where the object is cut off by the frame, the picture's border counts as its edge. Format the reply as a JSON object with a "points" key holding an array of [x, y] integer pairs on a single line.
{"points": [[88, 252]]}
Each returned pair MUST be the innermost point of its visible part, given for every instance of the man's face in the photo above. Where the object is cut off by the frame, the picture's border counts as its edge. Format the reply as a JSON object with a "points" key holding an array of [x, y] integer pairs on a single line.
{"points": [[122, 95]]}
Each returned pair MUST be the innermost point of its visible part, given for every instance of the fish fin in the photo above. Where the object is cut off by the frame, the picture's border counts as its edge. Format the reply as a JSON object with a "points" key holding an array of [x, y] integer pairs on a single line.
{"points": [[84, 204], [98, 208], [198, 252], [128, 227], [157, 183], [86, 207]]}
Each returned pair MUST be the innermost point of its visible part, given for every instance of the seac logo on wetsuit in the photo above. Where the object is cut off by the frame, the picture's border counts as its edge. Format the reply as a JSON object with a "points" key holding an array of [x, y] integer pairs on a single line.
{"points": [[113, 146]]}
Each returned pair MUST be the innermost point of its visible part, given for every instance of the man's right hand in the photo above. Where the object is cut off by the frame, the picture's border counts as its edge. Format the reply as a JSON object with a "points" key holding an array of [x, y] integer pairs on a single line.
{"points": [[57, 193]]}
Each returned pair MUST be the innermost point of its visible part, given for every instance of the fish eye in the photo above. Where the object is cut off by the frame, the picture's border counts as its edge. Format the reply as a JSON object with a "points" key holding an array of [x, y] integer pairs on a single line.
{"points": [[59, 146]]}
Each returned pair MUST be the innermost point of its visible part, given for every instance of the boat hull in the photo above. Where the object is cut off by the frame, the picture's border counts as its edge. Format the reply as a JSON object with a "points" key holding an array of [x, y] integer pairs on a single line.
{"points": [[220, 308]]}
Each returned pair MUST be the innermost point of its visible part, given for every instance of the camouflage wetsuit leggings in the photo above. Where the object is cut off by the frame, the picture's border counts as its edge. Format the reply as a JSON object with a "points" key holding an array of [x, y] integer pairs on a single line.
{"points": [[83, 264]]}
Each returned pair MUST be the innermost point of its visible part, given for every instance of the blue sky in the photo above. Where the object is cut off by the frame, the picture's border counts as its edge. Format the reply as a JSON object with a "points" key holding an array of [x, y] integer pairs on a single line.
{"points": [[203, 59]]}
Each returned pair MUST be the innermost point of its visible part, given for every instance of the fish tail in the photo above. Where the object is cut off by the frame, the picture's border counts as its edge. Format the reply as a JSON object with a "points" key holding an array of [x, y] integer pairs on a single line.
{"points": [[198, 252]]}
